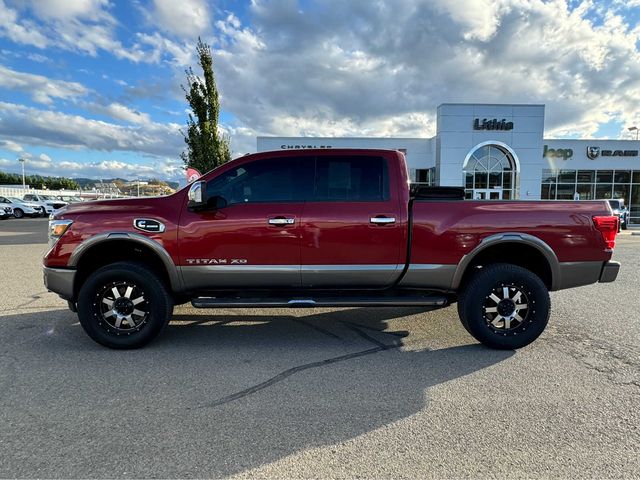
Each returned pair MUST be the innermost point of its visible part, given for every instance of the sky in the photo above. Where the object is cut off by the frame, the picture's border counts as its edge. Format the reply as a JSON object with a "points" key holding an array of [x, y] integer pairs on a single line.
{"points": [[92, 88]]}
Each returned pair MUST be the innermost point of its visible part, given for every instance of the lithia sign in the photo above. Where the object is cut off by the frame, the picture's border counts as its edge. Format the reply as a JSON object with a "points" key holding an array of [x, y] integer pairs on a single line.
{"points": [[592, 153], [494, 124]]}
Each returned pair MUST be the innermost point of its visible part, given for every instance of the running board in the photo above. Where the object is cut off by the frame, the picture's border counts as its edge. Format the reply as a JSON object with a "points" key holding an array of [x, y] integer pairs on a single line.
{"points": [[378, 301]]}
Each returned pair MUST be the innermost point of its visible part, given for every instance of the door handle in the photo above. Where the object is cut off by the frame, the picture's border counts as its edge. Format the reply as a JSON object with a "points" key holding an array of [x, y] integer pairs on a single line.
{"points": [[281, 221], [380, 220]]}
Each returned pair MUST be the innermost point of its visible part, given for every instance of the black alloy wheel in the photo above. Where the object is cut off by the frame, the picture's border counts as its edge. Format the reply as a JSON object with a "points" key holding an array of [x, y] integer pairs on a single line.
{"points": [[124, 305], [504, 306]]}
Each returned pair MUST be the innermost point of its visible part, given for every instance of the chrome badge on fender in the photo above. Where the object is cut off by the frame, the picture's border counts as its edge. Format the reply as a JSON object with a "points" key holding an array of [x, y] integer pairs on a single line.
{"points": [[216, 261]]}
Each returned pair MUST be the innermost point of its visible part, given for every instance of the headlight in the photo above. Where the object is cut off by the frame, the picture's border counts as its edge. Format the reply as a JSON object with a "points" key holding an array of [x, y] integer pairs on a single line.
{"points": [[57, 228]]}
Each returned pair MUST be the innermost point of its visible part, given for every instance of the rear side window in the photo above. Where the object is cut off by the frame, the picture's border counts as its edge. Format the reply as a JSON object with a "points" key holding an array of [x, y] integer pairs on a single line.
{"points": [[351, 179], [28, 197], [284, 179]]}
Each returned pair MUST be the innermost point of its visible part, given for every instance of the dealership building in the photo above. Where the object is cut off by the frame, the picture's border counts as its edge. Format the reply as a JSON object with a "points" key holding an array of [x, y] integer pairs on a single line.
{"points": [[499, 152]]}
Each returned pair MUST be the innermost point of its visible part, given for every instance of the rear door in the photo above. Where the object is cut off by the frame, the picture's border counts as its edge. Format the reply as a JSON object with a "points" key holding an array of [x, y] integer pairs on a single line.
{"points": [[353, 229], [255, 240]]}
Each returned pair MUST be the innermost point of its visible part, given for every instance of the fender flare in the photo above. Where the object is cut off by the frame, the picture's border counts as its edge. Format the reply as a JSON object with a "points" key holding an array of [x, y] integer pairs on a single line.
{"points": [[523, 238], [174, 277]]}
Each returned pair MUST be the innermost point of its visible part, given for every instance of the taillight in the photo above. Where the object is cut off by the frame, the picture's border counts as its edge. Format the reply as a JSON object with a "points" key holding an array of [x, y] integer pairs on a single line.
{"points": [[608, 227]]}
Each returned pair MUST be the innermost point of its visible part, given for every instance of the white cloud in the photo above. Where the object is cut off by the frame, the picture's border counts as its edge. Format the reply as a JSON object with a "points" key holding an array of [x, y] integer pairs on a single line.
{"points": [[11, 146], [343, 68], [180, 54], [44, 127], [84, 26], [186, 18], [67, 9], [36, 57], [479, 18], [164, 169], [20, 32], [119, 111], [42, 89]]}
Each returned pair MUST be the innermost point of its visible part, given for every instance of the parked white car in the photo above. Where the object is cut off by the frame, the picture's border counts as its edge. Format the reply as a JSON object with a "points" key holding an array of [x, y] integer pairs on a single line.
{"points": [[69, 198], [5, 212], [22, 208], [49, 202]]}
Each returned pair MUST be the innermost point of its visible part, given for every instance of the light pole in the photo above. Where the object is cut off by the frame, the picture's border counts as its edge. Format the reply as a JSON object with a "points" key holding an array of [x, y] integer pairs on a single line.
{"points": [[24, 186], [634, 129]]}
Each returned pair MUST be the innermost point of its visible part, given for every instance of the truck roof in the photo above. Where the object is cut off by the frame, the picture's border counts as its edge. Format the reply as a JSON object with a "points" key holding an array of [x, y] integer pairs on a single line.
{"points": [[316, 151]]}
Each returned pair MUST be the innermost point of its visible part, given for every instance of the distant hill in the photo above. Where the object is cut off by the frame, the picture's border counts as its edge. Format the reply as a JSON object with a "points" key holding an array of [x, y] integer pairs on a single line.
{"points": [[82, 181], [88, 182]]}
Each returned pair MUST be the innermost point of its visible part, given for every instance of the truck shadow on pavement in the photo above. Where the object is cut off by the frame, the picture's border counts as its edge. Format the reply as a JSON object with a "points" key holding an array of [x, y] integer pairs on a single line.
{"points": [[219, 394]]}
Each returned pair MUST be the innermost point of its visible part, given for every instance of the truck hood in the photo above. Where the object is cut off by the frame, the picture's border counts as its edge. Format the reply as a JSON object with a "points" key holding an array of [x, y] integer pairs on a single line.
{"points": [[125, 205]]}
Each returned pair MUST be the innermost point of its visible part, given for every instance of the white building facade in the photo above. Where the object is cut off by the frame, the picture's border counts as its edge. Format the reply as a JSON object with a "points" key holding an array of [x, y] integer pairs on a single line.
{"points": [[499, 152]]}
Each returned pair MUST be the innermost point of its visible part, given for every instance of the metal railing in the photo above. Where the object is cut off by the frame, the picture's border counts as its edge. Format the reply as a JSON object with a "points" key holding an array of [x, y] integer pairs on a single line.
{"points": [[20, 192]]}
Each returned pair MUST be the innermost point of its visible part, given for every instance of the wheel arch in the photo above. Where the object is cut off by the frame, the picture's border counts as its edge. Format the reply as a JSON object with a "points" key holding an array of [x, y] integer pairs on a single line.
{"points": [[520, 249], [107, 248]]}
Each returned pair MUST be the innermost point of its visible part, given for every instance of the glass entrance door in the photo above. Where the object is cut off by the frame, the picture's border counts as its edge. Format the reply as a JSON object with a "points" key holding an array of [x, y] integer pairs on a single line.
{"points": [[490, 173], [487, 194]]}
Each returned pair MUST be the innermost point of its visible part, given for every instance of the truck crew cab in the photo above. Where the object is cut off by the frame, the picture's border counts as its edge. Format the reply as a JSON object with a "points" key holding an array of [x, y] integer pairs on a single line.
{"points": [[339, 228]]}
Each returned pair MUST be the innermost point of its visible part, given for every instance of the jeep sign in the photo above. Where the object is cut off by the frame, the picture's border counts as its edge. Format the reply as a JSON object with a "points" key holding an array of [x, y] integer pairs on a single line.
{"points": [[563, 153]]}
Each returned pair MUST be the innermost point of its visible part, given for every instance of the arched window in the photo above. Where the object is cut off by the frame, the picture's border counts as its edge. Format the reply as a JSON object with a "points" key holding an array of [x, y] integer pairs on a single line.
{"points": [[490, 174]]}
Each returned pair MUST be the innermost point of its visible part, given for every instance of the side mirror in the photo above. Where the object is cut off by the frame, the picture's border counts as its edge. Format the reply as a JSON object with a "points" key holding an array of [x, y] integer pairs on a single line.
{"points": [[197, 196]]}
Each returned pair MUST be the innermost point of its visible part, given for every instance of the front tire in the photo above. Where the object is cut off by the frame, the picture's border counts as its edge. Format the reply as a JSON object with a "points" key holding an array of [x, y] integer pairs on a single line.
{"points": [[124, 305], [18, 213], [504, 306]]}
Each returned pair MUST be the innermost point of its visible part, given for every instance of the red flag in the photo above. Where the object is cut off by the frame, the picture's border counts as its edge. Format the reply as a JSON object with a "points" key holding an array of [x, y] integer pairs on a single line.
{"points": [[192, 175]]}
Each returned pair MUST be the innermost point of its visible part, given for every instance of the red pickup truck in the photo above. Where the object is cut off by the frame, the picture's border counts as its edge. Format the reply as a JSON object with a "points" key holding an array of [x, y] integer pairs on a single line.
{"points": [[323, 228]]}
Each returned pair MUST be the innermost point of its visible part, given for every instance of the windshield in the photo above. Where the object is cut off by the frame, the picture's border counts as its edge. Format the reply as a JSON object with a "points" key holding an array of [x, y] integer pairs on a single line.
{"points": [[15, 200]]}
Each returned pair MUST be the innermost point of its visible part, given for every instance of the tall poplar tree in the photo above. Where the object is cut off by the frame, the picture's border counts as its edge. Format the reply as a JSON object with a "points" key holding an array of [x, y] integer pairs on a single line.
{"points": [[206, 147]]}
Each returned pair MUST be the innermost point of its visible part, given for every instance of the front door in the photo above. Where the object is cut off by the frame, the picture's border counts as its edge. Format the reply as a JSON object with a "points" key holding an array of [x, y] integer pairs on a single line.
{"points": [[487, 194], [254, 241], [354, 228]]}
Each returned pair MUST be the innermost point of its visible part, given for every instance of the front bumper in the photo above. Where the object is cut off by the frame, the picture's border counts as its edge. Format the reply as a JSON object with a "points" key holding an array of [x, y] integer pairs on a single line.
{"points": [[60, 281], [609, 271]]}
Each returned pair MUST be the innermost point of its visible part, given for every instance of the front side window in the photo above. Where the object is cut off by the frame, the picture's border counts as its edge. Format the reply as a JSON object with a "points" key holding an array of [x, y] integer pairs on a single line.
{"points": [[351, 179], [270, 180]]}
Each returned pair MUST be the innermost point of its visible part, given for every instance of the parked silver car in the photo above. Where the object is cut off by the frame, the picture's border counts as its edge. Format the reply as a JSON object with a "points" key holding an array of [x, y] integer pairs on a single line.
{"points": [[5, 212], [22, 208], [620, 209], [48, 202], [69, 198]]}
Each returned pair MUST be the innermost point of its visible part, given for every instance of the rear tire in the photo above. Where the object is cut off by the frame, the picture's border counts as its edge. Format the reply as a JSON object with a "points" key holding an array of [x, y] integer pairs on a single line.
{"points": [[124, 305], [504, 306], [18, 213]]}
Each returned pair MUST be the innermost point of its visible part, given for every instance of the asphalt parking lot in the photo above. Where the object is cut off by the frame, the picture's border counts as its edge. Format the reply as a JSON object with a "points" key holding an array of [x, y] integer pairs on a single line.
{"points": [[320, 393]]}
